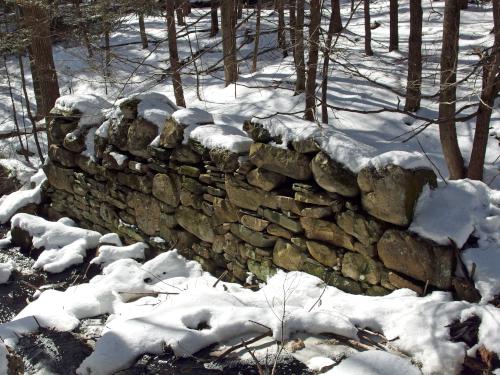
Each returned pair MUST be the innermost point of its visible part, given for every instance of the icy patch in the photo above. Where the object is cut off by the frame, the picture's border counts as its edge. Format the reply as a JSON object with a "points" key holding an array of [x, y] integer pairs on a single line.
{"points": [[219, 136], [6, 270], [89, 105], [192, 116], [374, 362], [108, 254], [11, 203], [454, 212], [63, 245]]}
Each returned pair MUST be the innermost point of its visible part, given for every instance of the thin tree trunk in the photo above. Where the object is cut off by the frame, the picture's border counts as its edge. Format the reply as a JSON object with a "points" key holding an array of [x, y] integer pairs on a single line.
{"points": [[312, 64], [488, 94], [228, 15], [447, 98], [335, 16], [28, 108], [464, 4], [186, 8], [281, 27], [414, 81], [107, 57], [368, 30], [174, 56], [142, 31], [179, 12], [300, 83], [239, 5], [41, 58], [214, 29], [394, 32], [82, 29], [352, 6], [257, 37], [326, 60], [292, 8]]}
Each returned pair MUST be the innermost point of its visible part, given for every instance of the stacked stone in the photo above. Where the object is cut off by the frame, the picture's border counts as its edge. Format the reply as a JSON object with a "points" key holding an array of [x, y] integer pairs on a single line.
{"points": [[274, 207]]}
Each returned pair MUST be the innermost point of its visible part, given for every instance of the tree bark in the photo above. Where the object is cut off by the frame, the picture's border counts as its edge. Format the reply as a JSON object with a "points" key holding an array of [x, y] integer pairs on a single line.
{"points": [[292, 9], [228, 15], [312, 64], [142, 31], [368, 30], [414, 80], [394, 32], [447, 97], [326, 61], [281, 27], [300, 83], [239, 6], [44, 73], [179, 11], [214, 26], [174, 56], [257, 37], [335, 16], [489, 92], [82, 29]]}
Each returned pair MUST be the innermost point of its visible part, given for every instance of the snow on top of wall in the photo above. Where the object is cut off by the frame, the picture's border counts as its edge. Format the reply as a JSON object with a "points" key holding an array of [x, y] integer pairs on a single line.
{"points": [[341, 147], [108, 253], [155, 108], [89, 143], [219, 136], [13, 202], [456, 210], [192, 116], [90, 106], [6, 270]]}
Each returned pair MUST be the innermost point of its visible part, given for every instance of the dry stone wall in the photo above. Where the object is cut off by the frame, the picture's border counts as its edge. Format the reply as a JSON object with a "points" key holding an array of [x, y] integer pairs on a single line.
{"points": [[271, 207]]}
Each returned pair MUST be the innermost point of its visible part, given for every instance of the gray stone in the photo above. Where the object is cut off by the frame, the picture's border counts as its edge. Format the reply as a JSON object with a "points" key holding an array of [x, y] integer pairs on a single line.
{"points": [[196, 223], [333, 176], [140, 134], [288, 256], [172, 134], [326, 231], [141, 183], [59, 178], [285, 162], [266, 180], [282, 220], [166, 187], [254, 238], [366, 230], [390, 194], [262, 270], [75, 140], [62, 156], [118, 133], [418, 258]]}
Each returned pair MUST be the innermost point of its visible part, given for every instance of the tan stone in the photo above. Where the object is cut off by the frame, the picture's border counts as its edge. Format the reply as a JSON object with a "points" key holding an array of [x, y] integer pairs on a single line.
{"points": [[323, 253], [322, 230]]}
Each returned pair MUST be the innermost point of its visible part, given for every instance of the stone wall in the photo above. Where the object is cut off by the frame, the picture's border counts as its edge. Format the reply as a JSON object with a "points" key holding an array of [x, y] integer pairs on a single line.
{"points": [[291, 208]]}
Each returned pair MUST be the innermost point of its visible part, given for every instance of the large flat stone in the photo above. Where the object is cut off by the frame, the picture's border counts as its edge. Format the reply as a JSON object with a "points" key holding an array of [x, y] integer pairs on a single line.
{"points": [[327, 231], [195, 222], [333, 176], [167, 188]]}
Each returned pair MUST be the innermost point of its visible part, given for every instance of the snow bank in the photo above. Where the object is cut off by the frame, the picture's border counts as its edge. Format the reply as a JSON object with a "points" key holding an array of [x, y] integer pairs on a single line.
{"points": [[6, 270], [11, 203], [64, 245], [219, 136], [342, 148], [457, 210], [89, 105], [108, 254]]}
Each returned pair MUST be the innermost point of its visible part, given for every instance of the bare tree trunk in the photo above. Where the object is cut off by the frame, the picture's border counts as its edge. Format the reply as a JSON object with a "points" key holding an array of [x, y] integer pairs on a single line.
{"points": [[464, 4], [28, 107], [489, 92], [326, 60], [281, 27], [82, 29], [239, 6], [447, 97], [179, 11], [394, 32], [414, 81], [186, 8], [368, 30], [228, 15], [214, 29], [352, 6], [107, 58], [142, 31], [300, 83], [312, 64], [174, 56], [335, 16], [44, 72], [292, 8], [257, 37]]}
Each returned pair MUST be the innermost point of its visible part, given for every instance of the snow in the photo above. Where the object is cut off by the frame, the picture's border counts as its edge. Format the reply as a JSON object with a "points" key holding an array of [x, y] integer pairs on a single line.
{"points": [[110, 239], [192, 116], [64, 245], [119, 158], [12, 203], [89, 143], [6, 270], [102, 131], [155, 108], [475, 210], [107, 254], [374, 363], [90, 106], [219, 136], [3, 358]]}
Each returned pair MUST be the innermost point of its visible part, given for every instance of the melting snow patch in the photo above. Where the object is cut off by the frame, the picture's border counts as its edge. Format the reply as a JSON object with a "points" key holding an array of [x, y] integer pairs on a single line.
{"points": [[6, 270]]}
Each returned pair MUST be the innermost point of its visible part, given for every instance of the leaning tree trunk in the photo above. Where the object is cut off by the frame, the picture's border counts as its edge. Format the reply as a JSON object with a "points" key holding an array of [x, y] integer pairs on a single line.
{"points": [[489, 92], [300, 67], [174, 56], [394, 32], [214, 24], [142, 31], [414, 80], [257, 37], [228, 15], [447, 97], [37, 19], [368, 30], [312, 64], [281, 27]]}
